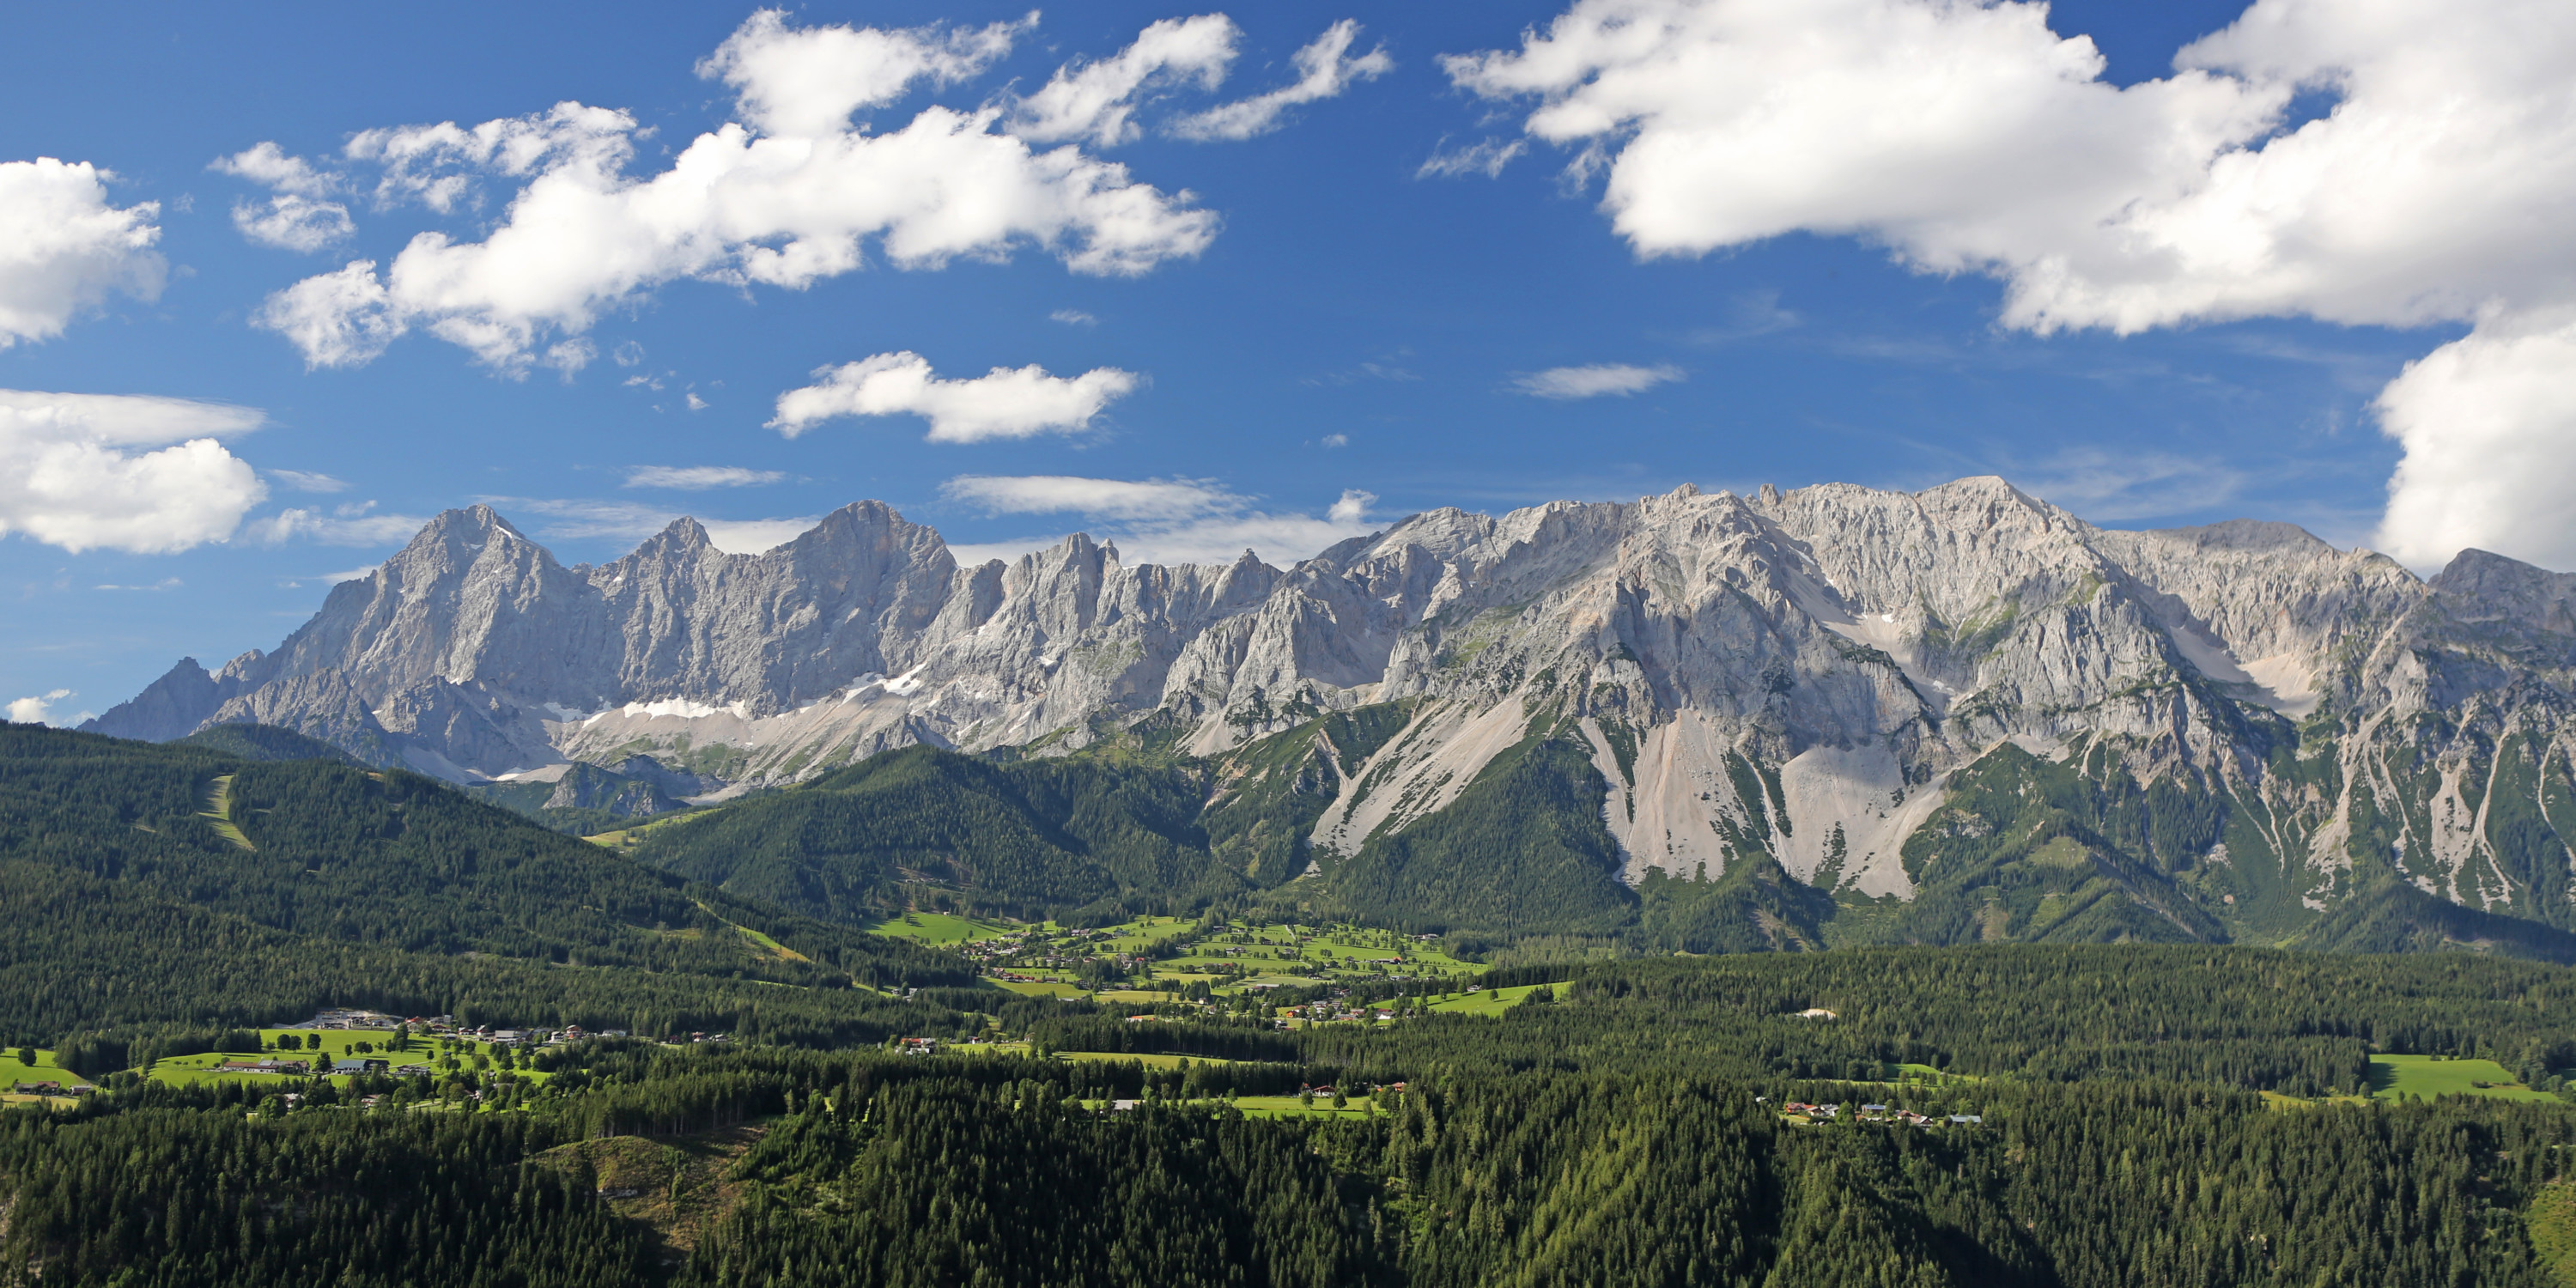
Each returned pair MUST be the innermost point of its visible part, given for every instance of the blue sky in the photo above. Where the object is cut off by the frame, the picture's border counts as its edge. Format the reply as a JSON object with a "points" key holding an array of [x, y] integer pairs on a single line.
{"points": [[1325, 333]]}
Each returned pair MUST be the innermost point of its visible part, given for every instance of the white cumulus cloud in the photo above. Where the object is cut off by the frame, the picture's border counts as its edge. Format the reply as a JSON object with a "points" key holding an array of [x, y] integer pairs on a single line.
{"points": [[2439, 187], [793, 194], [339, 319], [64, 249], [75, 471], [270, 166], [289, 222], [694, 478], [1594, 381], [1164, 521], [1096, 101], [1003, 403], [40, 710], [300, 216], [1325, 68], [805, 82], [2489, 427]]}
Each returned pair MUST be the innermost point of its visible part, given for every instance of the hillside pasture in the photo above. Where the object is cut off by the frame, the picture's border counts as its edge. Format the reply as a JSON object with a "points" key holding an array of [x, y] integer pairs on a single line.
{"points": [[939, 929], [2423, 1077], [1483, 1001]]}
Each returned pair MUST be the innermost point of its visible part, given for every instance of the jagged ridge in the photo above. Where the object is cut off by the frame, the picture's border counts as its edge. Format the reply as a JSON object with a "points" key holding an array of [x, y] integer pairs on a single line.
{"points": [[1799, 676]]}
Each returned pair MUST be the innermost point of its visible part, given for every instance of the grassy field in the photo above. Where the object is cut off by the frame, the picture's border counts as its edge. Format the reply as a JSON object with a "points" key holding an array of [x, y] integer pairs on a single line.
{"points": [[1048, 988], [1150, 1061], [937, 928], [1144, 933], [1482, 1002], [43, 1070], [1924, 1074], [339, 1044], [1286, 1107], [1137, 995], [1224, 961], [219, 814], [2395, 1077], [1301, 956], [626, 838], [771, 946]]}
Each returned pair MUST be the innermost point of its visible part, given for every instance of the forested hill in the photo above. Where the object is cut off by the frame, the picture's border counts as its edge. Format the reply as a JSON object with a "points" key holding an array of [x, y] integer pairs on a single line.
{"points": [[1650, 1125], [2025, 849], [1028, 838], [157, 884]]}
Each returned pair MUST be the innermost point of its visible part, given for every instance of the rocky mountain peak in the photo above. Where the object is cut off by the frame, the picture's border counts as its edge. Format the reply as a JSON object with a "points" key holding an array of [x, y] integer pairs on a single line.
{"points": [[684, 536], [1858, 646]]}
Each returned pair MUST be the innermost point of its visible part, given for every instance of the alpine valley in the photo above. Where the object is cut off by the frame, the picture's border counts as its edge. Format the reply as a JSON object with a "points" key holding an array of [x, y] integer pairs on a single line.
{"points": [[1696, 721]]}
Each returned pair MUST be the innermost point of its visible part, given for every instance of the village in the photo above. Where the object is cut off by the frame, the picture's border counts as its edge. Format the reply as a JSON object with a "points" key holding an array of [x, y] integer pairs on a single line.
{"points": [[1278, 976], [1294, 974], [1804, 1114], [378, 1057]]}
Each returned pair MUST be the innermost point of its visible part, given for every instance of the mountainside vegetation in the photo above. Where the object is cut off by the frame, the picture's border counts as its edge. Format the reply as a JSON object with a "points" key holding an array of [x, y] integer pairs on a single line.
{"points": [[2072, 849], [2184, 908], [2057, 1117], [931, 826], [158, 885]]}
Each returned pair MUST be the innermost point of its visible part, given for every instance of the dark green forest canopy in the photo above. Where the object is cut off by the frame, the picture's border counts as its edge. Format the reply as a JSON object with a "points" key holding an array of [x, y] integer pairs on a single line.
{"points": [[128, 904], [2256, 1019], [2026, 849], [1116, 829], [1025, 837], [870, 1169], [1622, 1131]]}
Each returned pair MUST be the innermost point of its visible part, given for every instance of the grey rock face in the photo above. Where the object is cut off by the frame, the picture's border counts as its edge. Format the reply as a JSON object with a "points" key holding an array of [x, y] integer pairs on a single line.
{"points": [[1849, 647], [587, 787], [170, 707], [321, 705]]}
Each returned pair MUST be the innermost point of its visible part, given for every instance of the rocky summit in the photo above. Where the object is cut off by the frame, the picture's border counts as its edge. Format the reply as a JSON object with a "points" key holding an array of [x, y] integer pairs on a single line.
{"points": [[1853, 685]]}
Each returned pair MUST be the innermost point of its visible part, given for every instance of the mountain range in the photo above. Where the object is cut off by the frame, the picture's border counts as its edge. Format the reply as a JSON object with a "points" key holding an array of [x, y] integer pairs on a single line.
{"points": [[1961, 713]]}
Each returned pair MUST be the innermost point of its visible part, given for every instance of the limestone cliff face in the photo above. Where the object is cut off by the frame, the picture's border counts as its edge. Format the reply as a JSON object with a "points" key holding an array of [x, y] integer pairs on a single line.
{"points": [[1842, 650]]}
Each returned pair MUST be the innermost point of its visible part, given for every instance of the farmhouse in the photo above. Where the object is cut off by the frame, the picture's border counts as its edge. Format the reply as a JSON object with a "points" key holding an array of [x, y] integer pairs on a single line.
{"points": [[51, 1089]]}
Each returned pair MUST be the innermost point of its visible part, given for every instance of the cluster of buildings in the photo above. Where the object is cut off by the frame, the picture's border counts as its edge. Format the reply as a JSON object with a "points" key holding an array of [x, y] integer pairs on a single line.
{"points": [[445, 1026], [299, 1068], [348, 1019], [1873, 1114], [50, 1088], [1338, 1007]]}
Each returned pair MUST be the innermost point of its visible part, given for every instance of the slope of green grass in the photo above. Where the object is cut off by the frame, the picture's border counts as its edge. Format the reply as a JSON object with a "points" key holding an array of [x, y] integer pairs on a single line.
{"points": [[940, 928], [1484, 1001], [2422, 1077]]}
